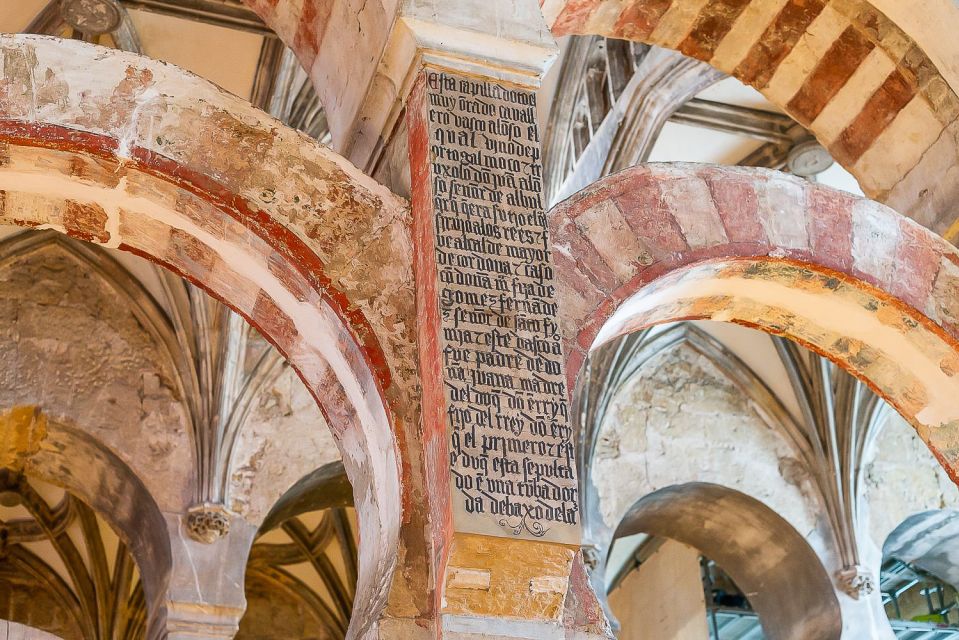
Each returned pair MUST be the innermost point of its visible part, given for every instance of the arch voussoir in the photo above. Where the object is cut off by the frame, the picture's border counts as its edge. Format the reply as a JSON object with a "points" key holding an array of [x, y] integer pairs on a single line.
{"points": [[870, 93], [146, 158], [847, 277]]}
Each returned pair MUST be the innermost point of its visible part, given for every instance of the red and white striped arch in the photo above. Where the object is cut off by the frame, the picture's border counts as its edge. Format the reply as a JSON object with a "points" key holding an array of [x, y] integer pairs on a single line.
{"points": [[868, 90], [339, 43], [847, 277], [138, 155]]}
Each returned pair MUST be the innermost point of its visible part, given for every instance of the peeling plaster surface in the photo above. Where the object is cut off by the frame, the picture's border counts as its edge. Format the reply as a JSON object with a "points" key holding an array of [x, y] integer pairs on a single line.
{"points": [[681, 420], [72, 346]]}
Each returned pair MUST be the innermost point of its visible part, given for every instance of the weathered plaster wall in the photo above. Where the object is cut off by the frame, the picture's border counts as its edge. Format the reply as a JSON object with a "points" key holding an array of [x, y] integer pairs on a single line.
{"points": [[663, 597], [72, 346], [284, 438], [681, 420], [902, 479]]}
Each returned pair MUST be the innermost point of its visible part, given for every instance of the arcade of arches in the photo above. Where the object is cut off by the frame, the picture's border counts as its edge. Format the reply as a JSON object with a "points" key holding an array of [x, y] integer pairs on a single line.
{"points": [[512, 319]]}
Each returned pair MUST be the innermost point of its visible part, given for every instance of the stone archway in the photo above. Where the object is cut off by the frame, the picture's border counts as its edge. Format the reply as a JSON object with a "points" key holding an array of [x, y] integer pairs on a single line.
{"points": [[62, 454], [764, 554], [846, 277], [146, 158], [884, 104]]}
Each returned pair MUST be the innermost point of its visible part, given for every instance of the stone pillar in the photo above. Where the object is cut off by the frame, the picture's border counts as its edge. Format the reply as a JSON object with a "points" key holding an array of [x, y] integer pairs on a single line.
{"points": [[495, 405], [205, 596]]}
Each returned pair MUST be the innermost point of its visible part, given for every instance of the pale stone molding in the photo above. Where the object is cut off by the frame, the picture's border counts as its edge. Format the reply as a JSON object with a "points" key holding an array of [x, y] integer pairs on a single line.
{"points": [[503, 40]]}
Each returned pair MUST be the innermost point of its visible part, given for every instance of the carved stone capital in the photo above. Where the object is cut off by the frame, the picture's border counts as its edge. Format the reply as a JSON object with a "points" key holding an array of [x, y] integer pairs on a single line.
{"points": [[207, 523], [856, 581]]}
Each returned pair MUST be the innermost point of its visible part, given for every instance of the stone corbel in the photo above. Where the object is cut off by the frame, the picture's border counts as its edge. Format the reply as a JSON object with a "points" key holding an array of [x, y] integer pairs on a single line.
{"points": [[856, 581], [207, 523]]}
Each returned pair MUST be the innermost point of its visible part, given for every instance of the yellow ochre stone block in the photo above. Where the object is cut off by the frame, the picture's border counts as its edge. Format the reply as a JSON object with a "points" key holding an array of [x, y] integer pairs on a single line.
{"points": [[505, 577], [22, 430]]}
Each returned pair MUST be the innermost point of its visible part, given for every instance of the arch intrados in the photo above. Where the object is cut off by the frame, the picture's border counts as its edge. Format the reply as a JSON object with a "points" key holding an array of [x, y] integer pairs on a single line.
{"points": [[769, 259], [762, 552], [892, 379], [185, 199]]}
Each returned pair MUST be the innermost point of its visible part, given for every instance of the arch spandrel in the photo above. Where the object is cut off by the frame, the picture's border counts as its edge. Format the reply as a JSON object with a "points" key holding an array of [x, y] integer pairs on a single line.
{"points": [[144, 157], [854, 77], [848, 278]]}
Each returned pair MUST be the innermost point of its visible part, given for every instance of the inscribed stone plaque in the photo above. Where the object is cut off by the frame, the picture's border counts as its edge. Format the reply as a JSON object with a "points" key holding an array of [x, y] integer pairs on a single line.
{"points": [[511, 453]]}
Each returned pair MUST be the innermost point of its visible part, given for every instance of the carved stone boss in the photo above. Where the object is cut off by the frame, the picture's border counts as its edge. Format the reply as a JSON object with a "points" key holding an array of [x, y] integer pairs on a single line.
{"points": [[494, 378]]}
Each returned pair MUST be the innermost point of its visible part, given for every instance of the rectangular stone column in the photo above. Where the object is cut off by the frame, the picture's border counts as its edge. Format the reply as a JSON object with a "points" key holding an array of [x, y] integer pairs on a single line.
{"points": [[496, 418], [488, 324]]}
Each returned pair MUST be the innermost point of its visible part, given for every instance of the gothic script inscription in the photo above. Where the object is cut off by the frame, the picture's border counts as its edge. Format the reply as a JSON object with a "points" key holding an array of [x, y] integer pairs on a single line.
{"points": [[511, 449]]}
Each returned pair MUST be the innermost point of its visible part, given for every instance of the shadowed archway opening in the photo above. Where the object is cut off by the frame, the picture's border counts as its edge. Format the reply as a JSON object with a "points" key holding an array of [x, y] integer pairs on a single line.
{"points": [[766, 557]]}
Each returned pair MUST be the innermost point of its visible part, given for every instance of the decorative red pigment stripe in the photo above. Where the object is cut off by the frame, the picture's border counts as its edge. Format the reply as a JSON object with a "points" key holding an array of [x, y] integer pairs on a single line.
{"points": [[274, 234], [650, 218], [310, 30], [880, 110], [830, 227], [638, 20], [573, 17], [712, 24], [429, 332], [738, 206], [830, 74], [779, 38]]}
